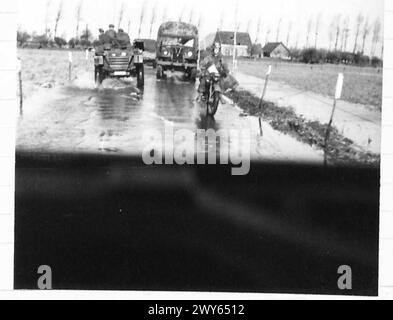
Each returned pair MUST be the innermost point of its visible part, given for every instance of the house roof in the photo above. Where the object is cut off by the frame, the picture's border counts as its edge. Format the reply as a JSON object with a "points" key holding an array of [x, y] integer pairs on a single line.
{"points": [[271, 46], [227, 37]]}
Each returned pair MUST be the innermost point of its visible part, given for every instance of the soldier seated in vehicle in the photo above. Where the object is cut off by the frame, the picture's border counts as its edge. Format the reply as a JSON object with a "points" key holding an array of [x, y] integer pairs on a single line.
{"points": [[215, 58], [103, 38], [123, 39], [111, 34]]}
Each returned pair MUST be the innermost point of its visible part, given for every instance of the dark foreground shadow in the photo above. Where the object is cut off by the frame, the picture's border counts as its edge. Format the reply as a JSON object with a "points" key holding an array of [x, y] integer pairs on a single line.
{"points": [[113, 223]]}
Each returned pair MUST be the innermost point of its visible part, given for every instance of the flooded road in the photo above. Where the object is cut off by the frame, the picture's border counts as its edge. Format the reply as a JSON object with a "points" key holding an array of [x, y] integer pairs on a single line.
{"points": [[115, 118]]}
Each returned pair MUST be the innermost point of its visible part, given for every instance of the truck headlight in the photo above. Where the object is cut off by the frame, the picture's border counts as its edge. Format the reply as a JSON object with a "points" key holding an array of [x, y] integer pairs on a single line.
{"points": [[189, 54]]}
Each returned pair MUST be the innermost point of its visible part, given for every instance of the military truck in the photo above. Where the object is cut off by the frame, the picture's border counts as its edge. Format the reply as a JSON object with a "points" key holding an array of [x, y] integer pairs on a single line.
{"points": [[113, 60], [177, 49]]}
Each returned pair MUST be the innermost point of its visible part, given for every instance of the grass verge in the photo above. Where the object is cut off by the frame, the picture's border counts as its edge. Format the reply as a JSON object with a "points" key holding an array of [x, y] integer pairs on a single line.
{"points": [[341, 150]]}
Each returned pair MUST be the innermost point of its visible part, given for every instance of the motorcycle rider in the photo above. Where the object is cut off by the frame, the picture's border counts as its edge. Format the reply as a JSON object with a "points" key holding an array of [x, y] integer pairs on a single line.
{"points": [[215, 58]]}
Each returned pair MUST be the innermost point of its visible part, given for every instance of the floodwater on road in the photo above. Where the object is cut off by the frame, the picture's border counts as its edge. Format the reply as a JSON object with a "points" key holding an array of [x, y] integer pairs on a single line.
{"points": [[118, 118]]}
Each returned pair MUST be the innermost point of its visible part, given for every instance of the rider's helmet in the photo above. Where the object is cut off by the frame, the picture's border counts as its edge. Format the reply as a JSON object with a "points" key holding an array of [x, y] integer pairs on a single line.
{"points": [[216, 48]]}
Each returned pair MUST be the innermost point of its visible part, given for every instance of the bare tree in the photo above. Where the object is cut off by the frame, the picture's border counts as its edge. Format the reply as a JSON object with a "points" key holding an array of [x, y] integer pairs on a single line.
{"points": [[121, 15], [337, 30], [181, 15], [278, 29], [142, 18], [153, 18], [191, 16], [222, 19], [268, 31], [297, 40], [332, 30], [59, 16], [309, 27], [249, 23], [366, 32], [47, 29], [78, 17], [289, 33], [199, 23], [359, 21], [165, 14], [344, 28], [376, 36], [345, 33], [259, 25], [238, 26], [317, 25]]}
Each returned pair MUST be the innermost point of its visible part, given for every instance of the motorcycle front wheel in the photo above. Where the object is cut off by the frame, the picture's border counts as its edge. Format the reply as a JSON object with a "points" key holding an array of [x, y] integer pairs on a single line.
{"points": [[140, 76], [212, 104], [99, 75]]}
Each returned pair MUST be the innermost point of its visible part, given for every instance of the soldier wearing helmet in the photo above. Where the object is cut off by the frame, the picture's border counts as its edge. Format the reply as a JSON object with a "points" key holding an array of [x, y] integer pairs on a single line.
{"points": [[111, 34], [103, 38], [215, 58], [123, 38]]}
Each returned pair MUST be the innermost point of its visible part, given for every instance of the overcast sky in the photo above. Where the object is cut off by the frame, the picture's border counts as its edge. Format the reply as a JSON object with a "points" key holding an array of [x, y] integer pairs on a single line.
{"points": [[294, 15]]}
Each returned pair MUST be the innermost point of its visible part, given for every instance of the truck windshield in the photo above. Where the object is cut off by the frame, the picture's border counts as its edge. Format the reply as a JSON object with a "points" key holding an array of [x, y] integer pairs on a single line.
{"points": [[176, 41]]}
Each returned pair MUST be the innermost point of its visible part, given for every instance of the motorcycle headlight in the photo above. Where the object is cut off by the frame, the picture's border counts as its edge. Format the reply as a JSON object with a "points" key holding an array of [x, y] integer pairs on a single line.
{"points": [[165, 52], [189, 54]]}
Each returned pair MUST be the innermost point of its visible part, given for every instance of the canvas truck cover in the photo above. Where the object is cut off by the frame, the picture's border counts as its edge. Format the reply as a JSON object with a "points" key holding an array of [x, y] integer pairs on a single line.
{"points": [[177, 29]]}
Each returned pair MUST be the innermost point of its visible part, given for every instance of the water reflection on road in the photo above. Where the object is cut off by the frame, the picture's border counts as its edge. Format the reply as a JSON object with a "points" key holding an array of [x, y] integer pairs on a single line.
{"points": [[116, 116]]}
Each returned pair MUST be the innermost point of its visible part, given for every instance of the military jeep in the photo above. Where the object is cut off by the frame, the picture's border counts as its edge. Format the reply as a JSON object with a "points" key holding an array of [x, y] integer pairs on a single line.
{"points": [[119, 61]]}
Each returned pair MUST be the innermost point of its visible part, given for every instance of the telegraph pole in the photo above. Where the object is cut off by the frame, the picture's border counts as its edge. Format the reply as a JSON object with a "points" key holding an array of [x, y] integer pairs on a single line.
{"points": [[235, 38]]}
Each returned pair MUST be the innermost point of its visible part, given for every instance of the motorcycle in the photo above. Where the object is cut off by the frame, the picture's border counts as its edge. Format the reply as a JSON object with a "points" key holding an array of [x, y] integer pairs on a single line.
{"points": [[213, 90]]}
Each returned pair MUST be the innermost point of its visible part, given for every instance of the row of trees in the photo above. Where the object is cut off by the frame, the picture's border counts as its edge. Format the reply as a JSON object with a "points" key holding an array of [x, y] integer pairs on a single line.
{"points": [[315, 56], [50, 35], [365, 34], [340, 30], [45, 41]]}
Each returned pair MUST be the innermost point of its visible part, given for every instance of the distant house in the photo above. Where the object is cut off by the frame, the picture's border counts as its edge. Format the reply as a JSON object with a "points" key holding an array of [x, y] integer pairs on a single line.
{"points": [[276, 50], [226, 38]]}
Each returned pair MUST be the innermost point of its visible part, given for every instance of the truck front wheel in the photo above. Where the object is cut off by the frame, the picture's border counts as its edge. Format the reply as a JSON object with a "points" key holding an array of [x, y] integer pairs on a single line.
{"points": [[159, 72], [193, 74]]}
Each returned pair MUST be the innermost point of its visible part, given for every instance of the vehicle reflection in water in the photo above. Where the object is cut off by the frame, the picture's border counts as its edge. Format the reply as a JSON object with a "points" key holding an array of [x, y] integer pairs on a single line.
{"points": [[115, 116]]}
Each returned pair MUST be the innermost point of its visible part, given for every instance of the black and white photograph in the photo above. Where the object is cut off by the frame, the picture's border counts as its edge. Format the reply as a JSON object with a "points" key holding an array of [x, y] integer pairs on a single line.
{"points": [[199, 146]]}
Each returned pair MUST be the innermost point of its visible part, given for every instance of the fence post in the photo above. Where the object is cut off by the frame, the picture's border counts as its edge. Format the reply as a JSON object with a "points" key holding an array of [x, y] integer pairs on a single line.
{"points": [[269, 70], [69, 65], [19, 71], [337, 96], [87, 55]]}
